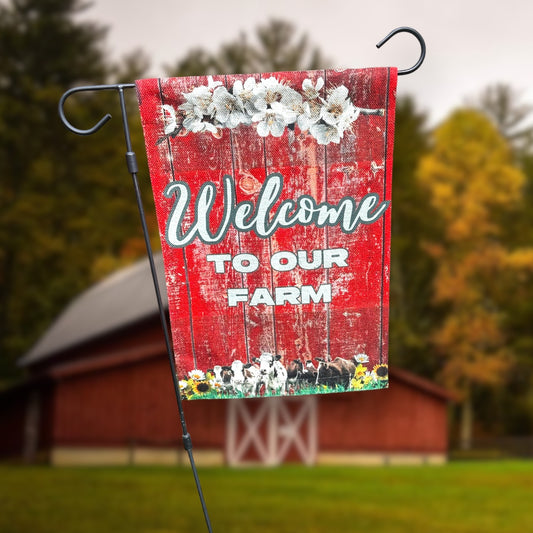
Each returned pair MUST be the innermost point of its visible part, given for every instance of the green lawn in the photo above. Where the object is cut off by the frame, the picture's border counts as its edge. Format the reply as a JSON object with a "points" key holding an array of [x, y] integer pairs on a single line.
{"points": [[462, 497]]}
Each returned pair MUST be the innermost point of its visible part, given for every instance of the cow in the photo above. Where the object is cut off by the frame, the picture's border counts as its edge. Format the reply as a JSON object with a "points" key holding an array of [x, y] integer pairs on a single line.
{"points": [[279, 376], [222, 376], [237, 378], [309, 373], [273, 374], [294, 374], [337, 372], [216, 373], [252, 378]]}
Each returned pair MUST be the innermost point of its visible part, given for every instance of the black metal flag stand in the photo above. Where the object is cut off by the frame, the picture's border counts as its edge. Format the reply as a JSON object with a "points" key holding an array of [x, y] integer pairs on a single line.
{"points": [[131, 162], [133, 169]]}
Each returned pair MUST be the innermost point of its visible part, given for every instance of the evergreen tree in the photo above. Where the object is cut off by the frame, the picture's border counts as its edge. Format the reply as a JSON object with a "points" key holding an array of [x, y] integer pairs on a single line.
{"points": [[412, 269], [503, 106], [276, 50], [62, 200]]}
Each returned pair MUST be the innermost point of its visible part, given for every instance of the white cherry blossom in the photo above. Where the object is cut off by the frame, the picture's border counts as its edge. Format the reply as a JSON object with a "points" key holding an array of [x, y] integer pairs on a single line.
{"points": [[200, 109], [309, 116], [198, 102], [228, 109], [274, 120], [197, 125], [271, 90], [337, 107], [267, 92], [271, 104], [245, 94], [311, 92], [326, 133]]}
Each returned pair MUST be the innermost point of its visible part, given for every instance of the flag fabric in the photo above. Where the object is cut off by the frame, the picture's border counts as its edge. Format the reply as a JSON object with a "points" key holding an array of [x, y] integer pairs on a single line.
{"points": [[272, 194]]}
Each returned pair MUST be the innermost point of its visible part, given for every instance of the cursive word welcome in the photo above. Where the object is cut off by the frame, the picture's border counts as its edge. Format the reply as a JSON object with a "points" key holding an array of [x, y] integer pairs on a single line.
{"points": [[261, 218]]}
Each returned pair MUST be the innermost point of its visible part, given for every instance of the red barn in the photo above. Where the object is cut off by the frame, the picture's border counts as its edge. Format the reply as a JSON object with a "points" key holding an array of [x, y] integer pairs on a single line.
{"points": [[100, 391]]}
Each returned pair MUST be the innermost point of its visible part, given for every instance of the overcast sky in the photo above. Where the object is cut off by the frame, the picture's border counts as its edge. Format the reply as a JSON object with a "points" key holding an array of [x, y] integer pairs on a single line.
{"points": [[470, 43]]}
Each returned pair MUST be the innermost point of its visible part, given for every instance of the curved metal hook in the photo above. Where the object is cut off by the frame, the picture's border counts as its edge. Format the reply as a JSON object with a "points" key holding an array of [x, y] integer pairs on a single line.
{"points": [[103, 120], [420, 40]]}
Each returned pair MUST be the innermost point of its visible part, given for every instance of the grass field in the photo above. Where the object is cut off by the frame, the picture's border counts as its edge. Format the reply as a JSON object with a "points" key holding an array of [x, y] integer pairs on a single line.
{"points": [[462, 497]]}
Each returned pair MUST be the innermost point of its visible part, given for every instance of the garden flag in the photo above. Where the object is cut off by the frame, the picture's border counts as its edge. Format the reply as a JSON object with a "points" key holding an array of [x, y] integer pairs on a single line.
{"points": [[273, 194]]}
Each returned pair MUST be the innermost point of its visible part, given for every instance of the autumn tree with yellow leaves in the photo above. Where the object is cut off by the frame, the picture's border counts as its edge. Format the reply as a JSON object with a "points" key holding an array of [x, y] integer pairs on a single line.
{"points": [[472, 186]]}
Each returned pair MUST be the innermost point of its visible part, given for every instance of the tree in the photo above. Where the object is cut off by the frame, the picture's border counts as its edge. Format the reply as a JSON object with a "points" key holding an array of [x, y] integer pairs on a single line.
{"points": [[60, 204], [277, 50], [502, 104], [67, 212], [510, 410], [412, 269], [472, 185]]}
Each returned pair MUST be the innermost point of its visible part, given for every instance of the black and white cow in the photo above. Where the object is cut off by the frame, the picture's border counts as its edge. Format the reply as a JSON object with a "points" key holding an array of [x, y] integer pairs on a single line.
{"points": [[294, 374], [252, 378], [273, 373], [237, 377], [222, 376], [309, 373]]}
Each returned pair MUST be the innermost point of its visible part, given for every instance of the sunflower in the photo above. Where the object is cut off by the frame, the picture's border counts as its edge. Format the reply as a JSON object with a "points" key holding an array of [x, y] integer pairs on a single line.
{"points": [[381, 372], [201, 387]]}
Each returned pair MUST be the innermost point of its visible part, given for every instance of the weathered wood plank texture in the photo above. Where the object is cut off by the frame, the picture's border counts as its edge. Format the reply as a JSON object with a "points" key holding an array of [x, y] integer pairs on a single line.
{"points": [[222, 307]]}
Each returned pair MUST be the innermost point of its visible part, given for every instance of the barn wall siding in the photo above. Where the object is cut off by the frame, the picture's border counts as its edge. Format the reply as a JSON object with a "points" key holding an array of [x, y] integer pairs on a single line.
{"points": [[120, 406], [114, 401], [398, 419], [133, 406]]}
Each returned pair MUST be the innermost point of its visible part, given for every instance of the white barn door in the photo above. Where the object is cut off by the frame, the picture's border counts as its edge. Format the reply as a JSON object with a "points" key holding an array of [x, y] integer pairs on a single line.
{"points": [[271, 430]]}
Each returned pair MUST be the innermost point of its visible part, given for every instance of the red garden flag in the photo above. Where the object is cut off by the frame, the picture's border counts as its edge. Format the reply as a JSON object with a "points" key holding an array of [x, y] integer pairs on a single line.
{"points": [[273, 197]]}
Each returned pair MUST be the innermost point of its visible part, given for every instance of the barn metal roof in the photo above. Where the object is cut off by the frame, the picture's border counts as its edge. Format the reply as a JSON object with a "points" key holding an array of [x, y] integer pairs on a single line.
{"points": [[121, 299]]}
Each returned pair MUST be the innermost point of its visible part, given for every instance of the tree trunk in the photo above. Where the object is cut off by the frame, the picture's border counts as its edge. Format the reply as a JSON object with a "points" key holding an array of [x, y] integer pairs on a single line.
{"points": [[466, 423], [31, 427]]}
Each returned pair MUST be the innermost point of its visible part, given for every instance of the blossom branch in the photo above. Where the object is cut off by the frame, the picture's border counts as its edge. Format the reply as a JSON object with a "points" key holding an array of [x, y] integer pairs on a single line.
{"points": [[270, 105]]}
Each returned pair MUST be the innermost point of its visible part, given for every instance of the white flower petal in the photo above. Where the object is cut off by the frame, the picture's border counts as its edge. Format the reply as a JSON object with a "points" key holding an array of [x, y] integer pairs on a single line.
{"points": [[362, 358], [170, 128], [257, 117], [196, 374], [169, 118], [289, 96], [277, 128], [260, 104], [170, 110], [262, 129], [211, 84], [304, 123], [307, 84], [249, 84], [210, 127]]}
